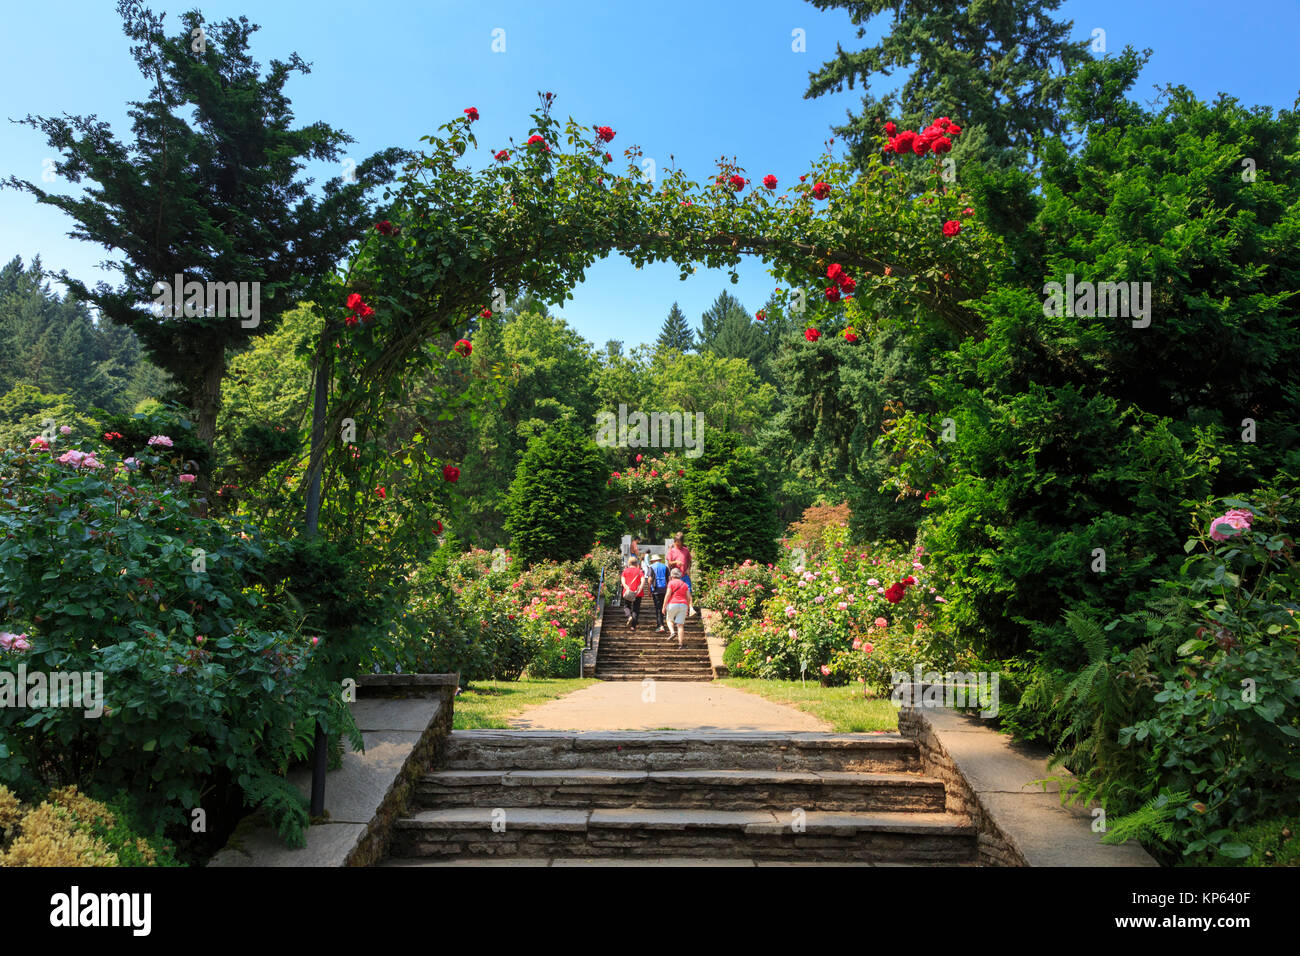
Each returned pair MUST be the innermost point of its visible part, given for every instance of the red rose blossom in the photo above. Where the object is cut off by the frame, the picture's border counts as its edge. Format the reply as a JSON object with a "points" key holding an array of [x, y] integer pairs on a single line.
{"points": [[832, 294], [485, 314], [737, 183], [379, 490], [769, 181], [450, 473], [464, 347], [941, 145], [384, 228], [354, 301], [951, 228], [968, 211], [472, 113], [834, 271], [821, 191], [953, 130], [502, 156], [890, 128], [604, 134], [848, 284], [850, 336], [903, 141], [811, 334]]}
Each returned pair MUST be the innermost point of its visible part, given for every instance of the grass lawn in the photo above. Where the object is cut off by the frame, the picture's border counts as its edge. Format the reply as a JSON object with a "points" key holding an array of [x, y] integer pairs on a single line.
{"points": [[489, 704], [841, 707]]}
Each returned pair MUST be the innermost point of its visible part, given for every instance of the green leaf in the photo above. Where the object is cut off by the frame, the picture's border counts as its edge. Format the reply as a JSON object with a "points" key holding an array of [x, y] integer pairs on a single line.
{"points": [[1237, 851]]}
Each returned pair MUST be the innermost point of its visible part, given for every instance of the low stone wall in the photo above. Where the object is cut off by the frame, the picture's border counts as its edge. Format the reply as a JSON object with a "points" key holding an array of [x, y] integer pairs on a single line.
{"points": [[991, 779], [404, 720], [717, 644]]}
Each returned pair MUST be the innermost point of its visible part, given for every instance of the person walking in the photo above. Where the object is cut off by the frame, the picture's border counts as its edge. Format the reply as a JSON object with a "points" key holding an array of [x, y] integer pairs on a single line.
{"points": [[658, 588], [677, 604], [633, 581], [680, 556]]}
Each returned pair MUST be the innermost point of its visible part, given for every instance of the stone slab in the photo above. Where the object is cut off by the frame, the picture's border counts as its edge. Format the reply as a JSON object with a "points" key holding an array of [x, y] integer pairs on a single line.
{"points": [[515, 818], [412, 714], [354, 792], [643, 819], [1045, 833], [651, 861], [328, 844]]}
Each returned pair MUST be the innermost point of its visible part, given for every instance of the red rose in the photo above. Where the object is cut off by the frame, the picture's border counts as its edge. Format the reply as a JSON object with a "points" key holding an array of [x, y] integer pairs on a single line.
{"points": [[502, 156], [803, 177], [894, 593], [760, 315], [890, 128], [943, 121], [832, 294], [769, 181], [379, 490], [951, 228], [384, 228], [536, 140], [365, 312], [834, 271], [485, 314], [811, 334], [737, 183], [968, 211], [604, 134], [437, 529], [354, 301], [848, 283], [472, 114], [450, 473], [464, 347], [638, 459], [617, 475], [921, 146], [953, 130], [653, 473], [350, 321], [821, 191], [850, 336], [941, 145], [903, 142]]}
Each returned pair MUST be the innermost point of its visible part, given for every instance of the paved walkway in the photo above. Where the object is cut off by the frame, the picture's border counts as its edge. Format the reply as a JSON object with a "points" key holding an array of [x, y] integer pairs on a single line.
{"points": [[664, 705]]}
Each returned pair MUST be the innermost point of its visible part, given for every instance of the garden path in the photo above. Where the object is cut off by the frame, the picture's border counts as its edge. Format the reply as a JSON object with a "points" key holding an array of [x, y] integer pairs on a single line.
{"points": [[664, 705]]}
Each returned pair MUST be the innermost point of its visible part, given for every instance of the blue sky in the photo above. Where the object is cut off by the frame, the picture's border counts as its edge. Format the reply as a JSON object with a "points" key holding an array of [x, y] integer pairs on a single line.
{"points": [[696, 80]]}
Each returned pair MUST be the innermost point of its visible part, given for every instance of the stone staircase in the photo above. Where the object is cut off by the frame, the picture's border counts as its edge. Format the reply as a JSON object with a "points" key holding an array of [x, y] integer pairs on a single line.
{"points": [[794, 797], [625, 654]]}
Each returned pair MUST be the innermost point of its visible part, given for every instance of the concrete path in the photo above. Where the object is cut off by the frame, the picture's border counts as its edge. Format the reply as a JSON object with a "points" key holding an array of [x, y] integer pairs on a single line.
{"points": [[664, 705]]}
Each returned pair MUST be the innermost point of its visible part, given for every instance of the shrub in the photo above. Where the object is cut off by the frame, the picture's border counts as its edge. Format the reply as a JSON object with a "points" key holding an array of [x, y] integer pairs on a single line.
{"points": [[731, 510], [69, 829], [556, 502], [738, 593], [835, 620], [1227, 725], [109, 572]]}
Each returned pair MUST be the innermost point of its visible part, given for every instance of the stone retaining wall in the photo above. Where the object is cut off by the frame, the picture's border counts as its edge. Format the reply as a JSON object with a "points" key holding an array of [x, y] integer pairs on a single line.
{"points": [[991, 779]]}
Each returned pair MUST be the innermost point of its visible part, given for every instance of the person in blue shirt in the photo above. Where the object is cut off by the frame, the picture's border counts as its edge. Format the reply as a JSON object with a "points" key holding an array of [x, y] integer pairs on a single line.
{"points": [[658, 588]]}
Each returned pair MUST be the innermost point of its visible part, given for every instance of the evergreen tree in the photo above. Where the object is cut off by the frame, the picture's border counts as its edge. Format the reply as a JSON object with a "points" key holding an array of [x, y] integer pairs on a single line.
{"points": [[557, 501], [209, 189], [996, 67], [676, 332]]}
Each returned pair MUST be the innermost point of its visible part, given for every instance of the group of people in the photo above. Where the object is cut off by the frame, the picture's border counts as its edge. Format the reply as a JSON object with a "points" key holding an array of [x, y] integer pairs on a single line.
{"points": [[670, 587]]}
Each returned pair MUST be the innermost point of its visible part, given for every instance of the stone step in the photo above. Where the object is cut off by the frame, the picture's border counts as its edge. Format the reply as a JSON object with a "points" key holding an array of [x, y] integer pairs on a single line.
{"points": [[812, 835], [776, 790], [667, 676], [678, 750]]}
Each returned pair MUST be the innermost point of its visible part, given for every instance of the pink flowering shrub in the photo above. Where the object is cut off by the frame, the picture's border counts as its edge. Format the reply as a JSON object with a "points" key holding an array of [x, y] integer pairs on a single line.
{"points": [[854, 615]]}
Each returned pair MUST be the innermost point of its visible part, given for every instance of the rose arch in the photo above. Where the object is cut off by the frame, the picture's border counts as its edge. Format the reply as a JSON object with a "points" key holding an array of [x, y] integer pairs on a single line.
{"points": [[458, 240]]}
